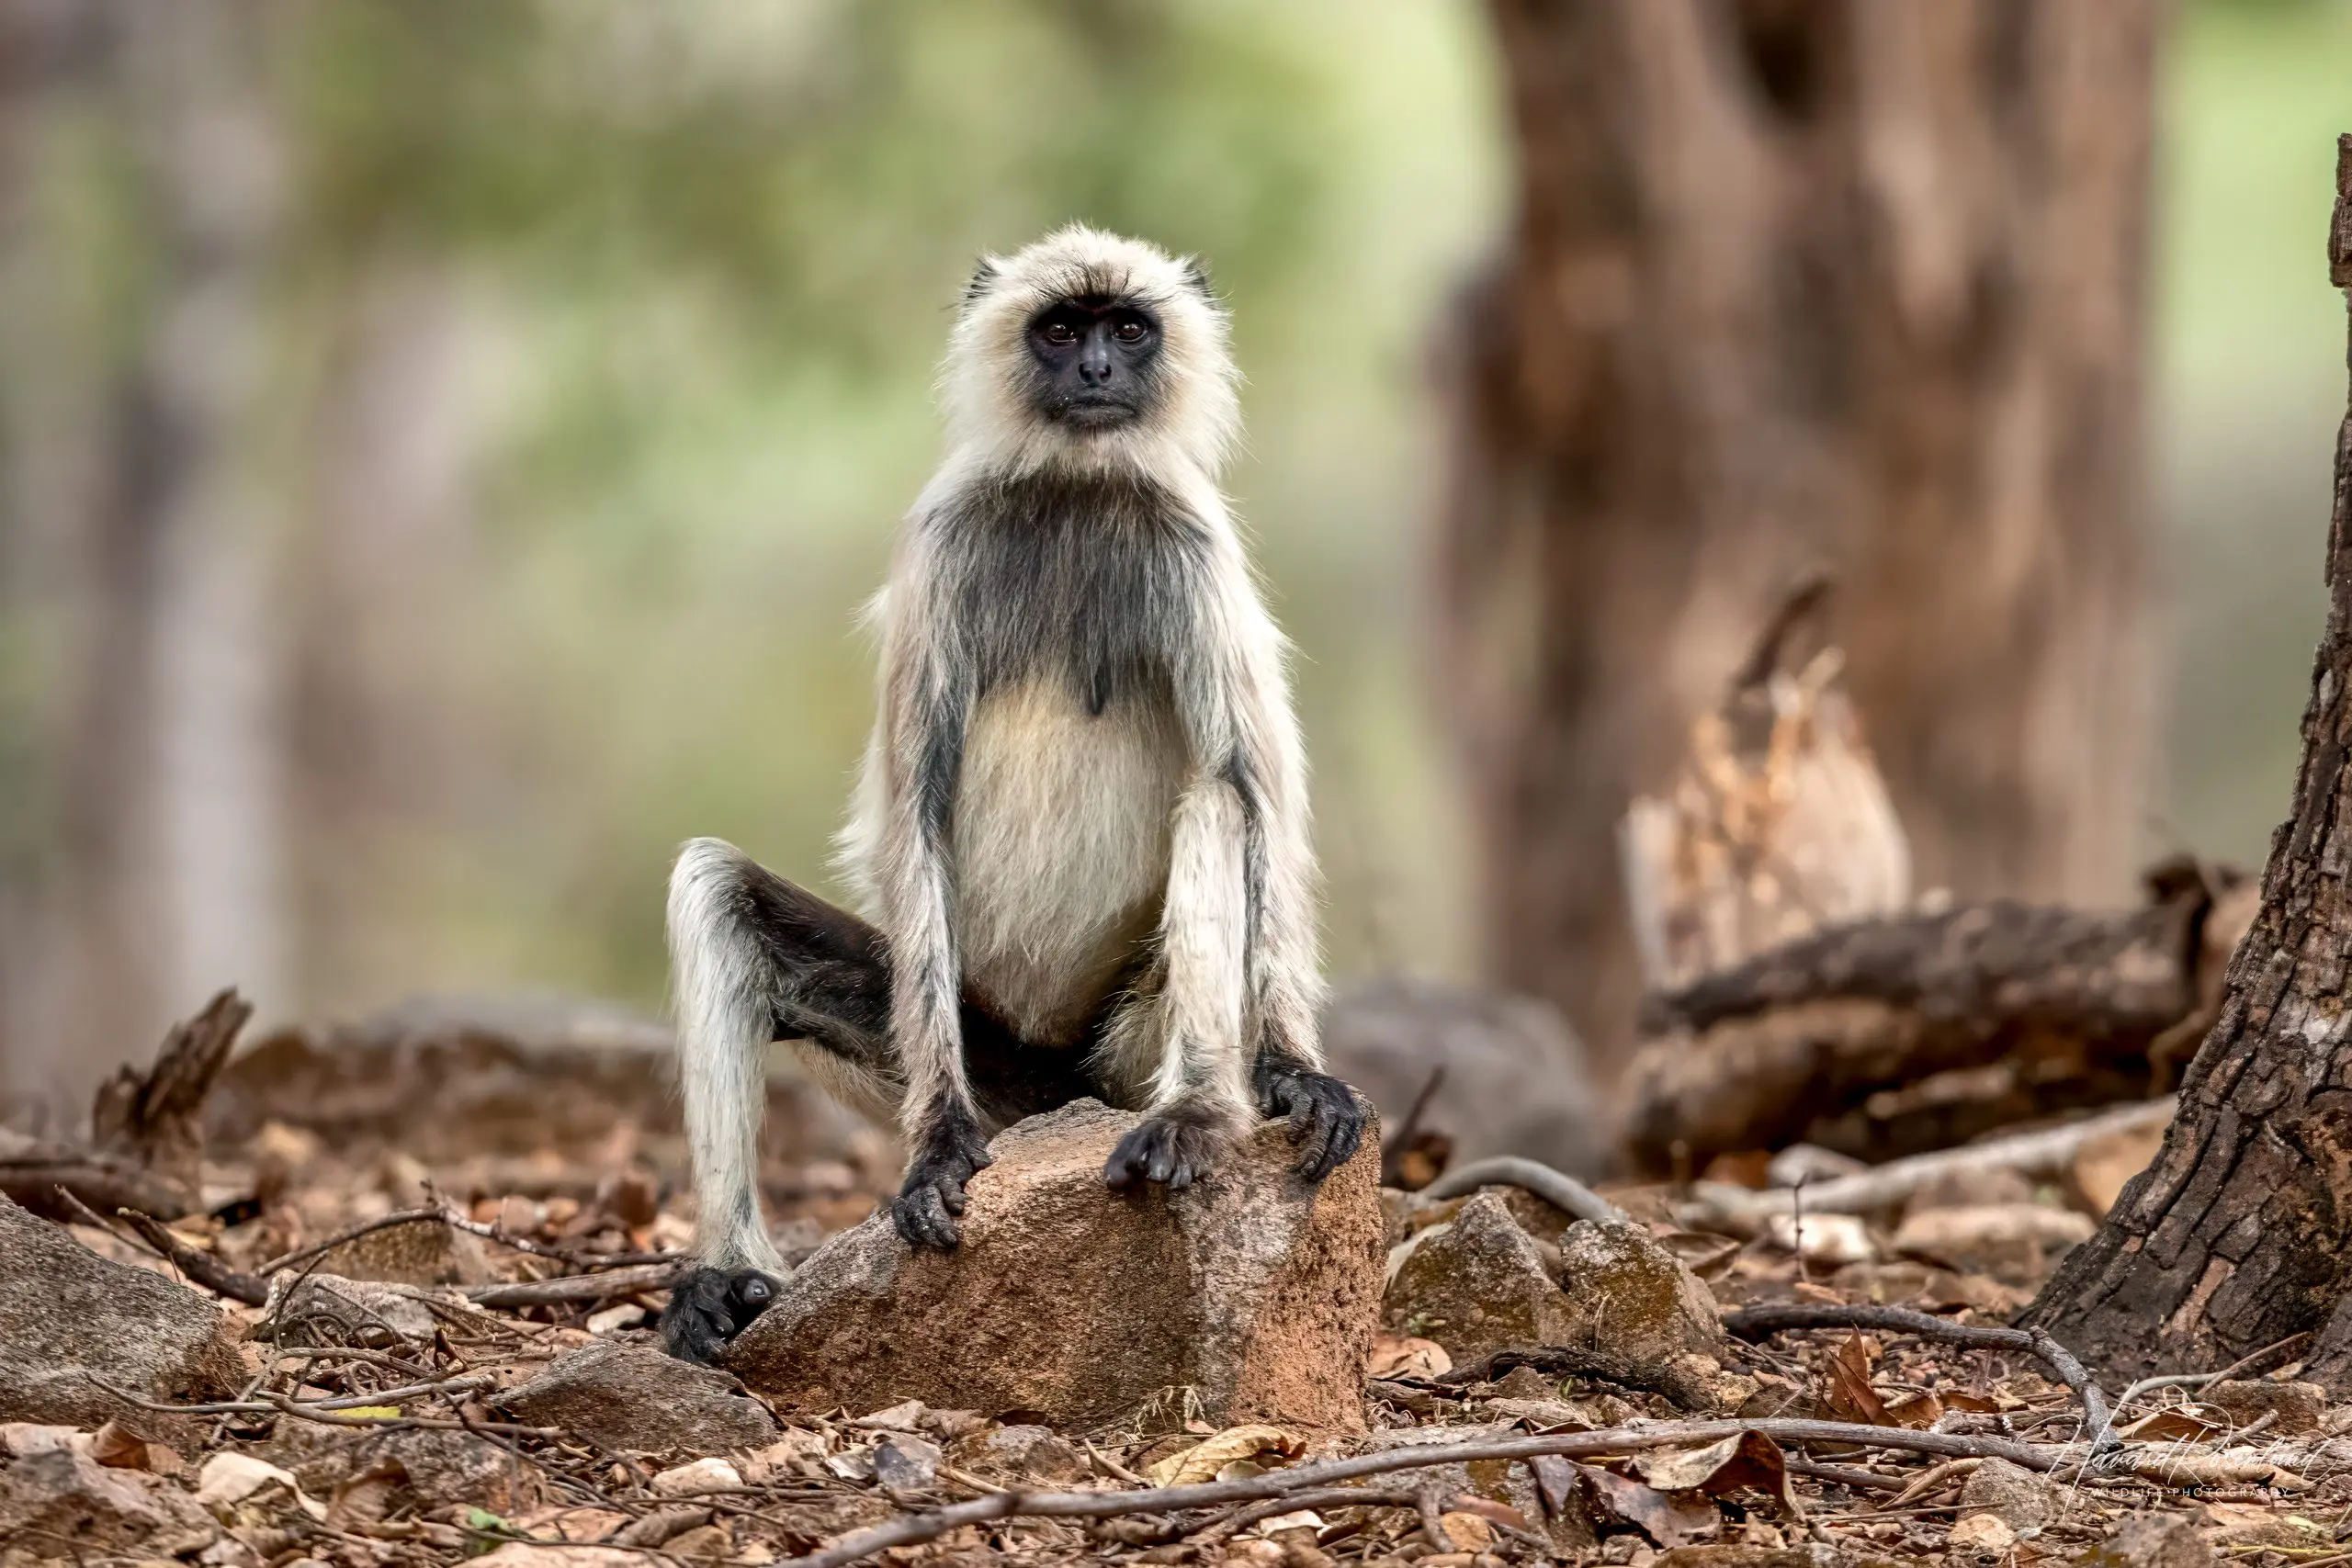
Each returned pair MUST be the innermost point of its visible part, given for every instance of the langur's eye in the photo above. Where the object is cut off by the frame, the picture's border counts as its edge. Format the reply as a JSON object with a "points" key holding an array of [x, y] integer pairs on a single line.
{"points": [[1129, 330], [1060, 332]]}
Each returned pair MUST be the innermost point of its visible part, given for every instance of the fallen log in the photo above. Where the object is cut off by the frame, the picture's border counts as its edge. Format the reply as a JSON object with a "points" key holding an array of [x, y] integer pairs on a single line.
{"points": [[2006, 1010]]}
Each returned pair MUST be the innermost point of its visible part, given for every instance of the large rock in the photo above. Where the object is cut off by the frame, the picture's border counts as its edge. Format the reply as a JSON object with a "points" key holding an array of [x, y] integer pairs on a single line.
{"points": [[1255, 1290], [632, 1396], [65, 1312]]}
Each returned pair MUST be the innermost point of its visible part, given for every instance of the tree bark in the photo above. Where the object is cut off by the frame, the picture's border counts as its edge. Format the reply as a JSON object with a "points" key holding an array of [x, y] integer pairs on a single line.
{"points": [[2236, 1236], [1800, 283]]}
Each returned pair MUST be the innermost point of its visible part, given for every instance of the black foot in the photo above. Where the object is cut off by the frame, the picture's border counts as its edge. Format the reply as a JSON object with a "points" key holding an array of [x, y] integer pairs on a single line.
{"points": [[1167, 1147], [952, 1153], [1326, 1118], [710, 1307]]}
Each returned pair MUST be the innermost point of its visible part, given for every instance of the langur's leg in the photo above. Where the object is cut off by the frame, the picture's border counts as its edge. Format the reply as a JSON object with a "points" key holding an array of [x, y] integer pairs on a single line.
{"points": [[759, 958]]}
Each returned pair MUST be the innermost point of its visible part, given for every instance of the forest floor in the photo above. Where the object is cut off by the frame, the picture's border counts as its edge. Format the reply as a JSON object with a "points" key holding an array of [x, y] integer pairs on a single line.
{"points": [[381, 1438]]}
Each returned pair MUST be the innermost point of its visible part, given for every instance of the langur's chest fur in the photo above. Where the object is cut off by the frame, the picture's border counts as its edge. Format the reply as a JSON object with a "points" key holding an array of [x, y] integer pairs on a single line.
{"points": [[1072, 757]]}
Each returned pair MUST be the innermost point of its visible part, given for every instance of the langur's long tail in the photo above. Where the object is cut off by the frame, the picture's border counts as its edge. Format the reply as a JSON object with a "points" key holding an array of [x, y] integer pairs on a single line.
{"points": [[723, 994]]}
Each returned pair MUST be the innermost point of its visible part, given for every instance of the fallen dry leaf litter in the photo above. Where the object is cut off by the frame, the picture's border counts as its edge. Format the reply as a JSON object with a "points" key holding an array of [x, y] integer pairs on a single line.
{"points": [[446, 1354]]}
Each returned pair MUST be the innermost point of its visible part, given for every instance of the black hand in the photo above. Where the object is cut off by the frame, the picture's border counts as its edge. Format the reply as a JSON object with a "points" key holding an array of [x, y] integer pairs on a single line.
{"points": [[1327, 1119], [952, 1153], [1168, 1147], [710, 1307]]}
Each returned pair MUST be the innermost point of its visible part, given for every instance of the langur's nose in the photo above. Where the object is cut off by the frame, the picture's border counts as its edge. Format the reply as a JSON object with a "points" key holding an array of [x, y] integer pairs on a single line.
{"points": [[1094, 364]]}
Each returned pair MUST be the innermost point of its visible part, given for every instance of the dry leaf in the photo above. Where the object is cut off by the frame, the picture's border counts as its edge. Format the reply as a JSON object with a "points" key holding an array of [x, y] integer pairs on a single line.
{"points": [[1747, 1459], [1401, 1356], [1919, 1412], [1203, 1460], [1468, 1533], [2175, 1423], [1670, 1520], [1845, 1385]]}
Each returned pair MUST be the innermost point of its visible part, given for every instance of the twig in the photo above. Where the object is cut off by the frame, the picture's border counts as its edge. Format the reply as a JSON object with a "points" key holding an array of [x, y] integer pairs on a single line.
{"points": [[1755, 1323], [1563, 1191], [1885, 1186], [1583, 1361], [201, 1267], [1237, 1520], [1843, 1475], [930, 1525], [575, 1287], [1392, 1154], [2267, 1358]]}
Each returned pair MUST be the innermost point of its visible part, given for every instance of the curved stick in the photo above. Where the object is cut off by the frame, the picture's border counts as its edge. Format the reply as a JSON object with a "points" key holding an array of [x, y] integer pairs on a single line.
{"points": [[1563, 1191]]}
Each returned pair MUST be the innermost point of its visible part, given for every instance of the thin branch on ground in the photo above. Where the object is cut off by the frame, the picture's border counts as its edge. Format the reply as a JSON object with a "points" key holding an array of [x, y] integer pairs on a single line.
{"points": [[575, 1289], [2267, 1358], [1755, 1323], [914, 1529]]}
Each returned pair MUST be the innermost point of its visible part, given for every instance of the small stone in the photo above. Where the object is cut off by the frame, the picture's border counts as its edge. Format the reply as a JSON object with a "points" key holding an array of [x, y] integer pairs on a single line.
{"points": [[698, 1479], [422, 1252], [524, 1554], [1255, 1290], [904, 1462], [632, 1396], [704, 1542], [1831, 1240], [1983, 1535], [1476, 1284], [67, 1315], [1627, 1291], [792, 1455], [2016, 1496], [2150, 1541], [2300, 1407], [1024, 1453]]}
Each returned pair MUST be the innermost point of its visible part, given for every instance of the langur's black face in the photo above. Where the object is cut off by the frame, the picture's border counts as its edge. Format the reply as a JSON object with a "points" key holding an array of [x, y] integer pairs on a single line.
{"points": [[1092, 362]]}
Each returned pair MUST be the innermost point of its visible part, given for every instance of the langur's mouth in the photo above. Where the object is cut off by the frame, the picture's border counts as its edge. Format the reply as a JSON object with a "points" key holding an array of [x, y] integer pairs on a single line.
{"points": [[1097, 411]]}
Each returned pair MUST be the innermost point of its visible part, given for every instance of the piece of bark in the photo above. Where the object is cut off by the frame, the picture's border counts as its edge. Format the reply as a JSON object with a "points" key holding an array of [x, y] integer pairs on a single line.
{"points": [[1755, 1057]]}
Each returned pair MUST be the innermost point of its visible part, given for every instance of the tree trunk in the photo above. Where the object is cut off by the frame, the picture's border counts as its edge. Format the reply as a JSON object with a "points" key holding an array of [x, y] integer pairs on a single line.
{"points": [[1793, 285], [2236, 1236]]}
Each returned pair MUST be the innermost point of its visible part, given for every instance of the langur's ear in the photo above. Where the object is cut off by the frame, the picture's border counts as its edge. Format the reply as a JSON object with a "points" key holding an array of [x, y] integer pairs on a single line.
{"points": [[1198, 276], [983, 275]]}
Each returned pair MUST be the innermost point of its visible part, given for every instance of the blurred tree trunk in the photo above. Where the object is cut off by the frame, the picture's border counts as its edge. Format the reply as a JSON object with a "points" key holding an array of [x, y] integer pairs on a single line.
{"points": [[2236, 1238], [164, 880], [1801, 283]]}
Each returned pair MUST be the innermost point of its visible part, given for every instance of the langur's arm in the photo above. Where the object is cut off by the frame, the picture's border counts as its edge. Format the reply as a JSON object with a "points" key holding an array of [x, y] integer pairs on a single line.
{"points": [[926, 707]]}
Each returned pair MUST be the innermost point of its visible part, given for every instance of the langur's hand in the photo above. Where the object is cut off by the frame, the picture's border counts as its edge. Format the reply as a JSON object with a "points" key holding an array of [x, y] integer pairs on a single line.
{"points": [[1167, 1147], [952, 1153], [1327, 1119]]}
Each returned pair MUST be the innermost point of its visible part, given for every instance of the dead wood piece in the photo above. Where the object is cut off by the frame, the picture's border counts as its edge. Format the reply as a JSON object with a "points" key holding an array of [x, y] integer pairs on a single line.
{"points": [[1736, 1209], [1756, 1323], [35, 1180], [577, 1289], [1563, 1191], [196, 1264], [1751, 1056], [930, 1525], [153, 1118]]}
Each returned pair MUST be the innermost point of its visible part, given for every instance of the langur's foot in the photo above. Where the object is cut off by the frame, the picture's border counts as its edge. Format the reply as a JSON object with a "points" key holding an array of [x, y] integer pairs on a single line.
{"points": [[1327, 1119], [710, 1307], [952, 1153], [1176, 1147]]}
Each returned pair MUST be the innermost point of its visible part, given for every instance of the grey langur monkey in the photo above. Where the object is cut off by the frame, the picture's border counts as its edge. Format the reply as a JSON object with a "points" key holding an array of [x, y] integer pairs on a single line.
{"points": [[1079, 844]]}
